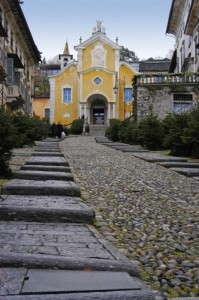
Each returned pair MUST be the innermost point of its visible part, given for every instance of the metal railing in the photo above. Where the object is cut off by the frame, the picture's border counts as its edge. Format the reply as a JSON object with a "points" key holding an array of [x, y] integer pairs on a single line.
{"points": [[167, 78]]}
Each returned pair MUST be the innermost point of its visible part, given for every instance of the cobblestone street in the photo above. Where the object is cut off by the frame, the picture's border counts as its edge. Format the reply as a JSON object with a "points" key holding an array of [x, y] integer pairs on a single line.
{"points": [[148, 212]]}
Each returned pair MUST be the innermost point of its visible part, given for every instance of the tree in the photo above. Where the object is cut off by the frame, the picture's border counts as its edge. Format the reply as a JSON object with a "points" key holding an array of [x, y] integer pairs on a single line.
{"points": [[128, 55]]}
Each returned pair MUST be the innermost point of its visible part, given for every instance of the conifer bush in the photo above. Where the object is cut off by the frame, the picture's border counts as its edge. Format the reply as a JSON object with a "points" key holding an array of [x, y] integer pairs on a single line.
{"points": [[29, 129], [174, 126], [190, 134], [77, 126], [112, 132], [7, 137], [150, 133], [16, 131], [128, 132]]}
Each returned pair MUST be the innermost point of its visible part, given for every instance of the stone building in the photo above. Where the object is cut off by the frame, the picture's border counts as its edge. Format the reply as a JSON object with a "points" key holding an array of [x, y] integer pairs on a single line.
{"points": [[18, 57], [183, 24], [178, 90], [97, 86]]}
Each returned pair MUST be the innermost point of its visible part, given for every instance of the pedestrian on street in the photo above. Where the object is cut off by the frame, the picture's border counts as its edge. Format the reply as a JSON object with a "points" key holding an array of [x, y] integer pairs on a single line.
{"points": [[60, 129], [87, 129], [53, 130]]}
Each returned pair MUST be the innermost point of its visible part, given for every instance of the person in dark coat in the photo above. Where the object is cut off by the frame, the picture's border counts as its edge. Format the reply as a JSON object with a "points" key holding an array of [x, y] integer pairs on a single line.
{"points": [[53, 130], [59, 130]]}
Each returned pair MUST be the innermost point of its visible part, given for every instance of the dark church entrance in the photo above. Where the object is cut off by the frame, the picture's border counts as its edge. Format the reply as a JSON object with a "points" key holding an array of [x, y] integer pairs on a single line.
{"points": [[98, 116]]}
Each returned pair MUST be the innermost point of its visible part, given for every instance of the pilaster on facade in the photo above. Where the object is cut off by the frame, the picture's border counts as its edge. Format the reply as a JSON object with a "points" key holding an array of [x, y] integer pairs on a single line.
{"points": [[52, 99]]}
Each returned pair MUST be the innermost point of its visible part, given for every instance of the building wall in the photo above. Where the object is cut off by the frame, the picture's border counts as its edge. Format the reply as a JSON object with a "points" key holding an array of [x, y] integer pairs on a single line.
{"points": [[183, 24], [39, 106], [165, 98], [18, 87], [66, 113]]}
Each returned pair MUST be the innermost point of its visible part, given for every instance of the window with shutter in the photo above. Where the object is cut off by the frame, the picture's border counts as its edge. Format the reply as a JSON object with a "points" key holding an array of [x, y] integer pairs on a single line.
{"points": [[10, 71]]}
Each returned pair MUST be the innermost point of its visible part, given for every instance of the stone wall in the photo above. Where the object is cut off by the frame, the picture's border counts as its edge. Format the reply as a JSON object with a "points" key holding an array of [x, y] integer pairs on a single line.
{"points": [[158, 99]]}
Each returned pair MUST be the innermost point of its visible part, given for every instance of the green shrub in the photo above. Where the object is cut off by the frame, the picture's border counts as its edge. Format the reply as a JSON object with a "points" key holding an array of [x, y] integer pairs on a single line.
{"points": [[77, 126], [122, 131], [173, 127], [150, 132], [190, 134], [128, 132], [7, 136], [29, 129], [113, 130]]}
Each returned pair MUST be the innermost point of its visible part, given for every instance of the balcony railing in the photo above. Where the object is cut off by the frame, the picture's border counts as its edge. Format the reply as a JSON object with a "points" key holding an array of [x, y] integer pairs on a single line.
{"points": [[13, 93], [168, 78]]}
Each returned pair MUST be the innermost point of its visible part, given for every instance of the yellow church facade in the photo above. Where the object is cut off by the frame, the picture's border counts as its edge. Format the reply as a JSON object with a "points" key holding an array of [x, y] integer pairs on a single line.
{"points": [[98, 86]]}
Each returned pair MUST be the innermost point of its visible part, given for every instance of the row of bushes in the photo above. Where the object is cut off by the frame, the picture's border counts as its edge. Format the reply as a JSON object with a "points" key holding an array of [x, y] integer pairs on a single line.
{"points": [[178, 133], [15, 132]]}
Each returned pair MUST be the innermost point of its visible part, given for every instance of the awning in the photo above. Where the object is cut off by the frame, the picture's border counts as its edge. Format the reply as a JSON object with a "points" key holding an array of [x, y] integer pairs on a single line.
{"points": [[17, 61]]}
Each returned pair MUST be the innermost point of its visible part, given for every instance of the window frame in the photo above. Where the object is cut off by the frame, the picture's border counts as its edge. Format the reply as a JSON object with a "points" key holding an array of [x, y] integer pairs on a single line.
{"points": [[67, 88], [128, 99], [183, 103]]}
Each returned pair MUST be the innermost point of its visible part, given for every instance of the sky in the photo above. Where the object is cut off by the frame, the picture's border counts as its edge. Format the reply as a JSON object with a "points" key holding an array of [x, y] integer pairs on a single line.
{"points": [[140, 25]]}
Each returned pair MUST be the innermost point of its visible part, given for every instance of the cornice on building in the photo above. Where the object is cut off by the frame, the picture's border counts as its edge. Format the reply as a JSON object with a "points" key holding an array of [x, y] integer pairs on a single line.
{"points": [[24, 29]]}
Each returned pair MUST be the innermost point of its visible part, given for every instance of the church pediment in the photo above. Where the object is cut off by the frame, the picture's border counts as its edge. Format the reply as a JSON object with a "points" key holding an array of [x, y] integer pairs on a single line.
{"points": [[98, 35], [97, 38]]}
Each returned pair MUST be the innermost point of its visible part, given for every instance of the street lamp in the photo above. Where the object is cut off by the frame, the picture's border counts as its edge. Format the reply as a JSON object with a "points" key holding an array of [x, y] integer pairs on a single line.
{"points": [[115, 89]]}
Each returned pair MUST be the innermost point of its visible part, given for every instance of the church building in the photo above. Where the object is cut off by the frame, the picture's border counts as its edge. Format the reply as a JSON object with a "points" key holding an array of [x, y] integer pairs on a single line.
{"points": [[98, 86]]}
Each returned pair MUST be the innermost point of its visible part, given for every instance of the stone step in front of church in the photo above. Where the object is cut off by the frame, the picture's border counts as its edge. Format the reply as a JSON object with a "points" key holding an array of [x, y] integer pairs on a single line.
{"points": [[45, 209], [43, 175], [97, 130], [49, 248]]}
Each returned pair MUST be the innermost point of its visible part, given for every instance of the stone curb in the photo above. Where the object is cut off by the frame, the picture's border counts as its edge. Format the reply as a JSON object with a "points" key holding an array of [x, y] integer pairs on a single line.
{"points": [[43, 175], [38, 214], [64, 263], [45, 187], [116, 295]]}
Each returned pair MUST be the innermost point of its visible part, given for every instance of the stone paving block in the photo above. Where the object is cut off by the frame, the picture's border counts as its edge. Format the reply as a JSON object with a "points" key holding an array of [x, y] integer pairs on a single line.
{"points": [[58, 245], [113, 295], [40, 187], [45, 209], [46, 168], [49, 154], [43, 175], [11, 280], [179, 164], [47, 149], [56, 281], [103, 140], [53, 161], [156, 157], [190, 172]]}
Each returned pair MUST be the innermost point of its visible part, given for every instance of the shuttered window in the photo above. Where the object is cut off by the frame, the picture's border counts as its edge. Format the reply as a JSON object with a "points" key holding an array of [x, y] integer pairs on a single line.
{"points": [[10, 71]]}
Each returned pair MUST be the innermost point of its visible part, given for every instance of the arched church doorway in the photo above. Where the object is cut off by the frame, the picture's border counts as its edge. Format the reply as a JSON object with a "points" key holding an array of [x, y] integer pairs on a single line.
{"points": [[98, 110]]}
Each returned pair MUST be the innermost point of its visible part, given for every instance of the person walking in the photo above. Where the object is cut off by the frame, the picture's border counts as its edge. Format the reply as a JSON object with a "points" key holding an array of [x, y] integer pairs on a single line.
{"points": [[87, 129], [53, 130], [60, 129]]}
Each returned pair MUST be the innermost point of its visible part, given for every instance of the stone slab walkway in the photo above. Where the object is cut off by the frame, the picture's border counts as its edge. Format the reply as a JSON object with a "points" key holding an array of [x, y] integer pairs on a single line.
{"points": [[45, 225]]}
